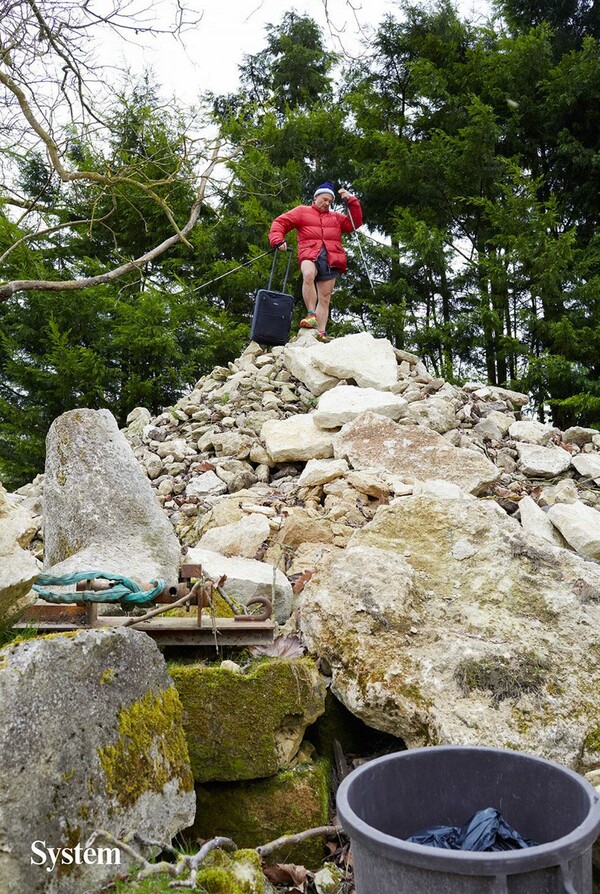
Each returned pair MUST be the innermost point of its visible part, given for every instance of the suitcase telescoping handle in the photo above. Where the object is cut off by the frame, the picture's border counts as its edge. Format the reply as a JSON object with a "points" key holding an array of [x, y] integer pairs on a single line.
{"points": [[290, 252]]}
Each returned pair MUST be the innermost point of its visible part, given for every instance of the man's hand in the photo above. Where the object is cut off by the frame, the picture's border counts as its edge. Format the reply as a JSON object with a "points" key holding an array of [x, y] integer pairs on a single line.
{"points": [[344, 193], [282, 246]]}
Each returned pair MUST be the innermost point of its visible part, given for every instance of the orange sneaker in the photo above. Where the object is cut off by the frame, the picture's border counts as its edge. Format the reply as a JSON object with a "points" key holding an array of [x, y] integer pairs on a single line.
{"points": [[309, 321]]}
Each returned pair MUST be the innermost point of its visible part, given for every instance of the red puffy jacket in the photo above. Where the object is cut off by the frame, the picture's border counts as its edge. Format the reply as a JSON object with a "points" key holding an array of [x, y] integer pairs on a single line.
{"points": [[317, 228]]}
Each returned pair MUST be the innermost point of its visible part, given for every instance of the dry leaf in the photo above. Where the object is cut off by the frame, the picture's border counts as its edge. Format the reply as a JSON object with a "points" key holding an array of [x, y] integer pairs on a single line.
{"points": [[286, 874]]}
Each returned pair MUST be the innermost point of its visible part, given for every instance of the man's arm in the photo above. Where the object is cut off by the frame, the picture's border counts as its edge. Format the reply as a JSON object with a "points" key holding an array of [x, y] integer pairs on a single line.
{"points": [[282, 225], [353, 208]]}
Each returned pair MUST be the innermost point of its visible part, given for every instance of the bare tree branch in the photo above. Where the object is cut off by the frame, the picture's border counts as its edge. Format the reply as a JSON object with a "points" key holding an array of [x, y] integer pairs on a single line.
{"points": [[9, 288]]}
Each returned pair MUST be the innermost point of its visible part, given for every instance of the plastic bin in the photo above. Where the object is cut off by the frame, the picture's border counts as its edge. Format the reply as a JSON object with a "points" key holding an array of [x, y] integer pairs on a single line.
{"points": [[392, 797]]}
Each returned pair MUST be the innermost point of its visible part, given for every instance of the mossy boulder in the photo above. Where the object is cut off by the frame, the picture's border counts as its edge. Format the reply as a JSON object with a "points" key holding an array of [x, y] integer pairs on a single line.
{"points": [[91, 739], [248, 725], [220, 873], [254, 813]]}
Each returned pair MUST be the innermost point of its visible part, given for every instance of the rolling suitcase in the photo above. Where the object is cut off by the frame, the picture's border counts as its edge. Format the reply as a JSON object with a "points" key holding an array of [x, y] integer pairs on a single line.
{"points": [[272, 317]]}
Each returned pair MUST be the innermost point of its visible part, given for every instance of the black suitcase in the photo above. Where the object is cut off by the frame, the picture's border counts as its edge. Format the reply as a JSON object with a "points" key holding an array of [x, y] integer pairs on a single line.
{"points": [[272, 317]]}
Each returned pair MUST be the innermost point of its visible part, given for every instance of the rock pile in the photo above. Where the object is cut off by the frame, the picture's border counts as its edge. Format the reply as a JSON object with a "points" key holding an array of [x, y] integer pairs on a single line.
{"points": [[314, 459]]}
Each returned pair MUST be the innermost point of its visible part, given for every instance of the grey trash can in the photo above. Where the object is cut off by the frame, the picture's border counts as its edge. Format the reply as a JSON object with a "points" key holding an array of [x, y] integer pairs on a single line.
{"points": [[392, 797]]}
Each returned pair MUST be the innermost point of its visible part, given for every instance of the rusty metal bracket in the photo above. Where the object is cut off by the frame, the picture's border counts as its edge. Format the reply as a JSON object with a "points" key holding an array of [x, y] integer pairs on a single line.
{"points": [[264, 616]]}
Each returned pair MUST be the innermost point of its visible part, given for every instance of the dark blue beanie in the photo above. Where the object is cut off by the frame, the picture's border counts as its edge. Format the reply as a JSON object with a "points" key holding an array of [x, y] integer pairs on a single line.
{"points": [[326, 187]]}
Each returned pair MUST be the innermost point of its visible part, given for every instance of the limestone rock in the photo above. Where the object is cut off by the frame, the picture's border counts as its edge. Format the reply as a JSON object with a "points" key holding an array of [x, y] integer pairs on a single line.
{"points": [[415, 610], [296, 439], [533, 432], [94, 724], [588, 465], [321, 471], [247, 725], [369, 483], [100, 510], [542, 462], [370, 362], [494, 426], [580, 526], [535, 521], [300, 528], [18, 568], [515, 398], [205, 484], [346, 402], [242, 538], [580, 436], [434, 412], [246, 578], [412, 452], [298, 359]]}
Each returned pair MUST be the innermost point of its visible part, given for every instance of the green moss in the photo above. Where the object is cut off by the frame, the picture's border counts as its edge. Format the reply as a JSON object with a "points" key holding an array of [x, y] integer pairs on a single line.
{"points": [[150, 749], [592, 740], [107, 676], [235, 722], [253, 813], [505, 677], [221, 873]]}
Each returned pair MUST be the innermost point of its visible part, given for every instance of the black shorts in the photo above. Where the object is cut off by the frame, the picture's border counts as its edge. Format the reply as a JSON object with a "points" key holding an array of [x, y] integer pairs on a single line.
{"points": [[324, 271]]}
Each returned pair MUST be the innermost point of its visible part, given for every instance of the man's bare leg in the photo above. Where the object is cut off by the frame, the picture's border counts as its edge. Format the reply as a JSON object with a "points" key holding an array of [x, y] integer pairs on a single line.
{"points": [[324, 290], [309, 291]]}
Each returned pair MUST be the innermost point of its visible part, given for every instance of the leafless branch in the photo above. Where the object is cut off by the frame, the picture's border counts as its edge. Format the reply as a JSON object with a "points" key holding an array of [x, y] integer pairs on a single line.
{"points": [[26, 285]]}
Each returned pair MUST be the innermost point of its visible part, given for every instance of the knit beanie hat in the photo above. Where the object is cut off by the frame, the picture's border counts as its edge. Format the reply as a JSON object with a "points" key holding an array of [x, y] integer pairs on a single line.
{"points": [[327, 188]]}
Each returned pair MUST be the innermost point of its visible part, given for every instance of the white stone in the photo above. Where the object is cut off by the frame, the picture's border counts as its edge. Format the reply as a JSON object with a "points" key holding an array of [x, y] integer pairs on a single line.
{"points": [[369, 362], [566, 491], [580, 526], [495, 425], [321, 471], [369, 483], [580, 436], [542, 462], [345, 402], [298, 359], [435, 412], [242, 538], [177, 448], [296, 439], [535, 521], [532, 432], [411, 452], [437, 487], [246, 578], [588, 465], [204, 484]]}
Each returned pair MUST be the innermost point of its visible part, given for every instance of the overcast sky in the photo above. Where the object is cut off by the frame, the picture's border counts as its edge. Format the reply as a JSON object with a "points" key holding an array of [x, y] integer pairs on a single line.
{"points": [[229, 29]]}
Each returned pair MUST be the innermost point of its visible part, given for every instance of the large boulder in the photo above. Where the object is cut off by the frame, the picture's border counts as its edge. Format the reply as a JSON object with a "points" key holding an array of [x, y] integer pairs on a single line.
{"points": [[18, 568], [360, 358], [246, 725], [346, 402], [91, 738], [443, 622], [101, 512], [411, 452]]}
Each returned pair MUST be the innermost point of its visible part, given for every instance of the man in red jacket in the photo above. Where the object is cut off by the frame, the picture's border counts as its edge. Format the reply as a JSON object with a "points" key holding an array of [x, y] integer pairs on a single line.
{"points": [[320, 253]]}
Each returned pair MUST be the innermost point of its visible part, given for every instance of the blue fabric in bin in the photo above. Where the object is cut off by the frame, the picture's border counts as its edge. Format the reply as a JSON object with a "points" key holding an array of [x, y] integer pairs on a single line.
{"points": [[487, 830]]}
